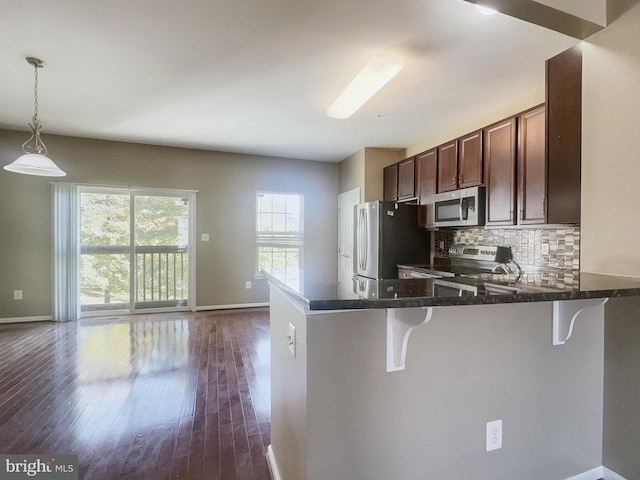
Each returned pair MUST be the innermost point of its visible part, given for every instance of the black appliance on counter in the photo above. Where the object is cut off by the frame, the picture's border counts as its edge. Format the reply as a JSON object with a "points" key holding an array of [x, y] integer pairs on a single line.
{"points": [[387, 234]]}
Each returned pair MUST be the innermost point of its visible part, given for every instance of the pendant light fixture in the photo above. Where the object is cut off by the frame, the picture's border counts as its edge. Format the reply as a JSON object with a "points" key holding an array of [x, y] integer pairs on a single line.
{"points": [[34, 161]]}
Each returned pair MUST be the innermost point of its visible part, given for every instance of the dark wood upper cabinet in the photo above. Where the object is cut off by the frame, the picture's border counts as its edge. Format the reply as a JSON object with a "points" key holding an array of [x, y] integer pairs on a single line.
{"points": [[390, 182], [564, 139], [427, 184], [406, 179], [532, 172], [448, 166], [500, 172], [470, 170], [460, 163]]}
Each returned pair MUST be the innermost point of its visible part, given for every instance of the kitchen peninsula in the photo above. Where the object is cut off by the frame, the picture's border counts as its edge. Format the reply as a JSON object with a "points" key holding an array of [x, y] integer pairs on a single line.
{"points": [[401, 382]]}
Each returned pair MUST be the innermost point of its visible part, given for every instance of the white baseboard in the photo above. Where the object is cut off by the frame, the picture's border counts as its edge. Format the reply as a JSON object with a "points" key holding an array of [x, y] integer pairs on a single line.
{"points": [[273, 465], [611, 475], [232, 306], [42, 318], [597, 473]]}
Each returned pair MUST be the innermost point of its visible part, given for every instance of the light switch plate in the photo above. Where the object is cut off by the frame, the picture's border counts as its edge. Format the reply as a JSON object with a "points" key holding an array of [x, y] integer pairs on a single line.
{"points": [[17, 294], [291, 340], [204, 237]]}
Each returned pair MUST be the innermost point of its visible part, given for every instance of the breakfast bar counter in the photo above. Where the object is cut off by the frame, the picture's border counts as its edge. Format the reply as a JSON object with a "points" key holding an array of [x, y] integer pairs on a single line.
{"points": [[399, 378], [437, 292]]}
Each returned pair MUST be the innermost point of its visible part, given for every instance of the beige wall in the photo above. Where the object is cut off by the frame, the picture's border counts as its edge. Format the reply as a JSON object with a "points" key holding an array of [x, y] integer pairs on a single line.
{"points": [[610, 220], [610, 223], [225, 209], [375, 160], [462, 126], [352, 173], [363, 170]]}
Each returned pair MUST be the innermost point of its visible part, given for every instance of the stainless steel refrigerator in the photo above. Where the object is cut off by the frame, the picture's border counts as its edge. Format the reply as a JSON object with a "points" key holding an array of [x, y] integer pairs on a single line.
{"points": [[387, 234]]}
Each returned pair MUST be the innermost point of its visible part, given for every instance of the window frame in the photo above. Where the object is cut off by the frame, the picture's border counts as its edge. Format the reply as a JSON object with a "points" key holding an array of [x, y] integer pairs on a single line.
{"points": [[280, 239]]}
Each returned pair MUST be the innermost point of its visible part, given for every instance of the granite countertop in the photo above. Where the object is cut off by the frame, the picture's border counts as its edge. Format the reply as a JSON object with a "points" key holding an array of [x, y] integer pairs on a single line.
{"points": [[433, 292]]}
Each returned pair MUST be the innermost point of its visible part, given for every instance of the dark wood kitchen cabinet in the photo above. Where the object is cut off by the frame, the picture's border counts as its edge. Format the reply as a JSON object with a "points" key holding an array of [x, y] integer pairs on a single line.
{"points": [[426, 184], [448, 166], [532, 170], [470, 160], [460, 163], [406, 179], [564, 139], [399, 181], [390, 182], [500, 172]]}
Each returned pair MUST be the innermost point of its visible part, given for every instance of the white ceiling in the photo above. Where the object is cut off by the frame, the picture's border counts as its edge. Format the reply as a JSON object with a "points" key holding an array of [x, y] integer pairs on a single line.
{"points": [[256, 76]]}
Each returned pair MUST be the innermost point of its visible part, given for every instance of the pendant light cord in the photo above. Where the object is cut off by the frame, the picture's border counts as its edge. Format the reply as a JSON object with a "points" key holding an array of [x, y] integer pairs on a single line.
{"points": [[40, 148]]}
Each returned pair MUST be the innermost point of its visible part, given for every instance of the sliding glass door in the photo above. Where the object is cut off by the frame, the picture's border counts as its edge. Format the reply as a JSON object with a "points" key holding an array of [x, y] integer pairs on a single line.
{"points": [[134, 249], [161, 232]]}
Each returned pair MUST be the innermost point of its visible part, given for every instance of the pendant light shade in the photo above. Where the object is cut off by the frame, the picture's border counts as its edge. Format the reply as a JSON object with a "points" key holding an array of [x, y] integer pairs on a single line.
{"points": [[34, 161], [35, 164]]}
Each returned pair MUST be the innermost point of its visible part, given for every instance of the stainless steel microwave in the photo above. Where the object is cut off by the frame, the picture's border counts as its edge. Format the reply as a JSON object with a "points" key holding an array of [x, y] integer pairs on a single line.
{"points": [[460, 208]]}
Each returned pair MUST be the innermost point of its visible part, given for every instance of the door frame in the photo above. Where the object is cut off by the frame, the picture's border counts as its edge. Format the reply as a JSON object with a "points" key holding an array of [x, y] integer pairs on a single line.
{"points": [[346, 203], [191, 250]]}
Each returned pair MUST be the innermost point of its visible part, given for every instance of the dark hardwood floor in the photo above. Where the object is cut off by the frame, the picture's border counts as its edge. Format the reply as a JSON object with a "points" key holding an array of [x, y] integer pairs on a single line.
{"points": [[180, 395]]}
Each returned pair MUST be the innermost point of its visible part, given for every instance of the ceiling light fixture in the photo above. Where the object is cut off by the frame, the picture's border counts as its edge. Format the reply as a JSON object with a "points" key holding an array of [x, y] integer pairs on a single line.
{"points": [[34, 161], [485, 10], [373, 76]]}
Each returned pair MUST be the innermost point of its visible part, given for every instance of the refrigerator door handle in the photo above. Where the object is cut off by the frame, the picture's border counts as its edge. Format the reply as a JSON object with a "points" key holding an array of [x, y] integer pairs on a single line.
{"points": [[361, 239], [366, 239]]}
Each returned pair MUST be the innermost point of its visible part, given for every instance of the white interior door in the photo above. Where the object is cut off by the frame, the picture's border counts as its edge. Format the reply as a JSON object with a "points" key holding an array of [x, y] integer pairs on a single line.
{"points": [[346, 203]]}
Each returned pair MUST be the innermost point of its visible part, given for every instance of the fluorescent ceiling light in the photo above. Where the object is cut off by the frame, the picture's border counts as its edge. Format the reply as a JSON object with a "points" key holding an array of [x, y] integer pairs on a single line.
{"points": [[373, 76], [485, 10]]}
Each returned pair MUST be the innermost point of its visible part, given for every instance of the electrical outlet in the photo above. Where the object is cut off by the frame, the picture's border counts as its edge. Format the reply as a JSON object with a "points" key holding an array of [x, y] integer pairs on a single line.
{"points": [[247, 284], [17, 294], [291, 340], [494, 435]]}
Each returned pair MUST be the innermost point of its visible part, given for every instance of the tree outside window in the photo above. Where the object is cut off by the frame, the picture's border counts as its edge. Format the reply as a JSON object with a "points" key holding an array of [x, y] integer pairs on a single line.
{"points": [[280, 235]]}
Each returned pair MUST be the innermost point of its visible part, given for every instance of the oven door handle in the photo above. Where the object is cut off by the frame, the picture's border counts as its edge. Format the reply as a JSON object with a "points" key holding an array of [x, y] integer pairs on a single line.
{"points": [[422, 275]]}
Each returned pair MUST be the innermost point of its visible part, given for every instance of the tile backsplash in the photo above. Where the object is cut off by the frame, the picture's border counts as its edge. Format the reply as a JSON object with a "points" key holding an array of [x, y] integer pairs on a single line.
{"points": [[547, 255]]}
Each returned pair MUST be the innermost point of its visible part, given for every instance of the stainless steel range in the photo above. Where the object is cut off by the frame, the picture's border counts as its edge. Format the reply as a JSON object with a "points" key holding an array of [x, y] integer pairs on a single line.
{"points": [[472, 261], [489, 263]]}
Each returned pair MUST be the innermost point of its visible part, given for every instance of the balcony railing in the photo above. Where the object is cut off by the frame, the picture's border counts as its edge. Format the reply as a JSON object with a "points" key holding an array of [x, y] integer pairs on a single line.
{"points": [[161, 278]]}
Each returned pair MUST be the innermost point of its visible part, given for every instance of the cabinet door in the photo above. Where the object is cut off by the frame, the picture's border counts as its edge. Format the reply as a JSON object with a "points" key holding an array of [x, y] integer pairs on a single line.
{"points": [[500, 172], [532, 173], [390, 182], [426, 181], [448, 166], [406, 179], [470, 160], [564, 124]]}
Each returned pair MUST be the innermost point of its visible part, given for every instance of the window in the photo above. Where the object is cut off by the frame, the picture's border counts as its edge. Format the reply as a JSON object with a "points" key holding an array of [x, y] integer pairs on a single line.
{"points": [[122, 249], [280, 235]]}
